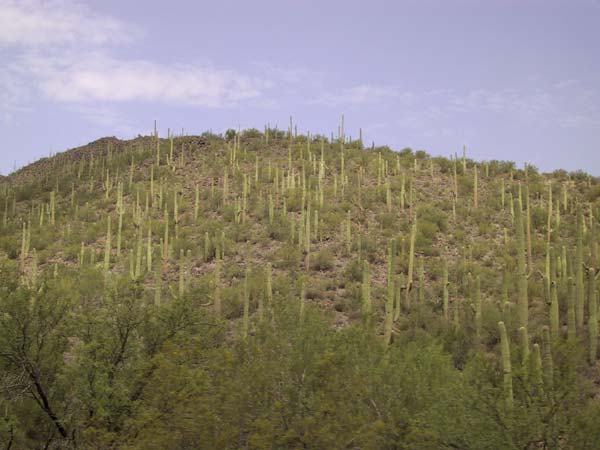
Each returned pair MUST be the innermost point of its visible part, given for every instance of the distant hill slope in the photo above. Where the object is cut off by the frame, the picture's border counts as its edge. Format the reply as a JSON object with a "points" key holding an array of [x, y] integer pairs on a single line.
{"points": [[260, 202]]}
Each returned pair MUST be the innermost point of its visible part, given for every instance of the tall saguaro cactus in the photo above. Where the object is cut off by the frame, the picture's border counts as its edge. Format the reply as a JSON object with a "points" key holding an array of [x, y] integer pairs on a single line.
{"points": [[571, 327], [269, 289], [506, 365], [549, 224], [536, 368], [366, 293], [554, 311], [411, 259], [421, 271], [579, 287], [528, 228], [475, 188], [478, 310], [547, 361], [149, 250], [246, 317], [445, 294], [107, 247], [592, 299], [389, 303], [120, 212], [217, 286], [302, 298], [53, 208], [524, 337], [522, 301]]}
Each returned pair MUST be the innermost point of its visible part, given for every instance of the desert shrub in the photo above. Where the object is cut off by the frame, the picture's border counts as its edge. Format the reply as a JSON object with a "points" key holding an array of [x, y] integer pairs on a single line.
{"points": [[406, 153], [465, 185], [287, 257], [323, 261], [539, 217], [426, 231], [251, 133], [386, 220], [353, 271], [432, 215], [279, 230], [230, 134]]}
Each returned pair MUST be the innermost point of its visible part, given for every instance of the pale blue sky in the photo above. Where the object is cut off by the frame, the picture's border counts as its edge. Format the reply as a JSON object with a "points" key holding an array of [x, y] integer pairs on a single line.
{"points": [[516, 80]]}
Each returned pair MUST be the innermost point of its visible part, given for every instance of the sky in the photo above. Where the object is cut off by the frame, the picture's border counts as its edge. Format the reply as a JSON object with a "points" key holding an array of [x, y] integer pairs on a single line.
{"points": [[512, 80]]}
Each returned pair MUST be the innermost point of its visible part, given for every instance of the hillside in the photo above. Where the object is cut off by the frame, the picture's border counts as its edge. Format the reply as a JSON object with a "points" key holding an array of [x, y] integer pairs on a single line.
{"points": [[271, 290]]}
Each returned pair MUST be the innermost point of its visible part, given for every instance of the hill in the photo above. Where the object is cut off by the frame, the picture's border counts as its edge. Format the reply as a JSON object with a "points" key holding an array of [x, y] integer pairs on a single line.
{"points": [[273, 290]]}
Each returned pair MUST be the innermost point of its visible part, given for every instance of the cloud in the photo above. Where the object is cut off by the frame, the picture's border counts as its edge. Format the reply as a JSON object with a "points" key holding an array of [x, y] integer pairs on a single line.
{"points": [[99, 77], [64, 52], [58, 22]]}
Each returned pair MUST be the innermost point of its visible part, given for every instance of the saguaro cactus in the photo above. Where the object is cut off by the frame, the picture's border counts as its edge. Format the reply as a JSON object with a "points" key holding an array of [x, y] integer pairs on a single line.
{"points": [[528, 228], [579, 287], [53, 208], [571, 328], [536, 370], [196, 202], [176, 213], [554, 313], [269, 288], [182, 270], [445, 294], [421, 280], [246, 317], [107, 247], [348, 233], [149, 250], [522, 301], [120, 213], [524, 337], [389, 304], [25, 242], [549, 224], [547, 362], [81, 258], [138, 254], [592, 300], [302, 298], [33, 277], [475, 188], [506, 365], [506, 312], [411, 259], [166, 238], [478, 309], [455, 179], [217, 286], [366, 293]]}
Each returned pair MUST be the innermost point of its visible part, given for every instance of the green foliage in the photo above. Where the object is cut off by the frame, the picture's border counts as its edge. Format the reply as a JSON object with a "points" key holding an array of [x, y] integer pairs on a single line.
{"points": [[230, 134], [323, 261]]}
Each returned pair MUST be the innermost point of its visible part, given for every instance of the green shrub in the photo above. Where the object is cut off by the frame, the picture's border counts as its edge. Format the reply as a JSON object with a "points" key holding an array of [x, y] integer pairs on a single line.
{"points": [[323, 261]]}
